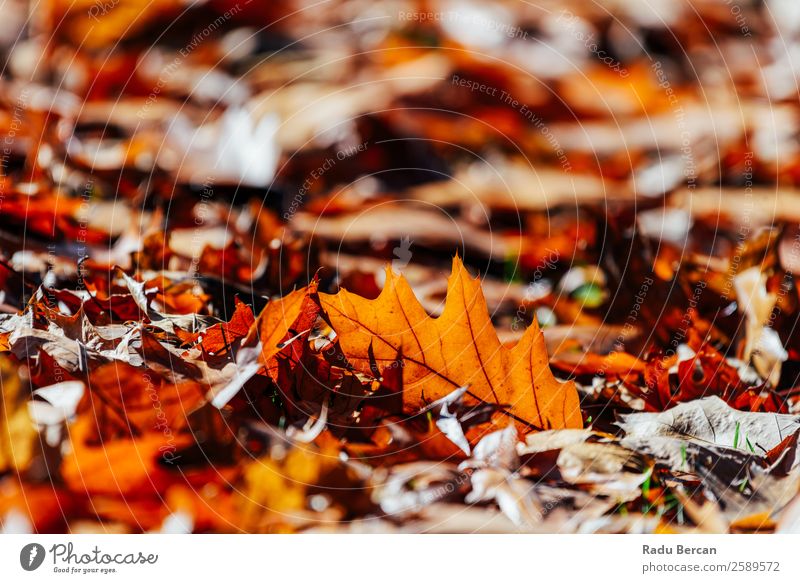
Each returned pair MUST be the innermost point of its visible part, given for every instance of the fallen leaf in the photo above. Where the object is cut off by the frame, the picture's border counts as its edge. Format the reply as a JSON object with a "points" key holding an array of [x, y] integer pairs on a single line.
{"points": [[221, 338], [711, 421], [459, 348], [17, 433]]}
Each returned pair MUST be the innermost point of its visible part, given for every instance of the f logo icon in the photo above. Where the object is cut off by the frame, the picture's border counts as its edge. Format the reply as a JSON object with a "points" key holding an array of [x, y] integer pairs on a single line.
{"points": [[31, 556]]}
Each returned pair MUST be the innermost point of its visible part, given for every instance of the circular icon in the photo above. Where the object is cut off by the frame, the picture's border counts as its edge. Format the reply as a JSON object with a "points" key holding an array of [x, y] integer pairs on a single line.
{"points": [[31, 556]]}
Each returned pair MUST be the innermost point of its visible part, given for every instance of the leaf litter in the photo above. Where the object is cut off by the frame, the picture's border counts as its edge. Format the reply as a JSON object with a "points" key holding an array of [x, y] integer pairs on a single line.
{"points": [[366, 280]]}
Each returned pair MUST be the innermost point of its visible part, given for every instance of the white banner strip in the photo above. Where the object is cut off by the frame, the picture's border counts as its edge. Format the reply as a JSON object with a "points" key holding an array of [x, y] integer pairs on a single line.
{"points": [[371, 558]]}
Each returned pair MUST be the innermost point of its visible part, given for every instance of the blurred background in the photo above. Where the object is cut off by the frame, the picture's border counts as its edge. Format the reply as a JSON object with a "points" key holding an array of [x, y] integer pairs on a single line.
{"points": [[334, 133]]}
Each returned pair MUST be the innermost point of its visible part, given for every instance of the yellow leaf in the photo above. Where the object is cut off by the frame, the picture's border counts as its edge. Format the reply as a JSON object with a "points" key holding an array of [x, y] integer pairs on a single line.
{"points": [[17, 433]]}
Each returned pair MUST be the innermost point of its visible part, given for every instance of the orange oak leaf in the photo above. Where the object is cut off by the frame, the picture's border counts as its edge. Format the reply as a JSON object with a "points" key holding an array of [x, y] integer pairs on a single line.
{"points": [[460, 347]]}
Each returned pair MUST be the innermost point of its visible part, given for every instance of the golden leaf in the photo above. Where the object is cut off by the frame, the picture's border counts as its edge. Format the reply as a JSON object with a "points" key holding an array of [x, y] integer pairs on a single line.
{"points": [[279, 320], [458, 348]]}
